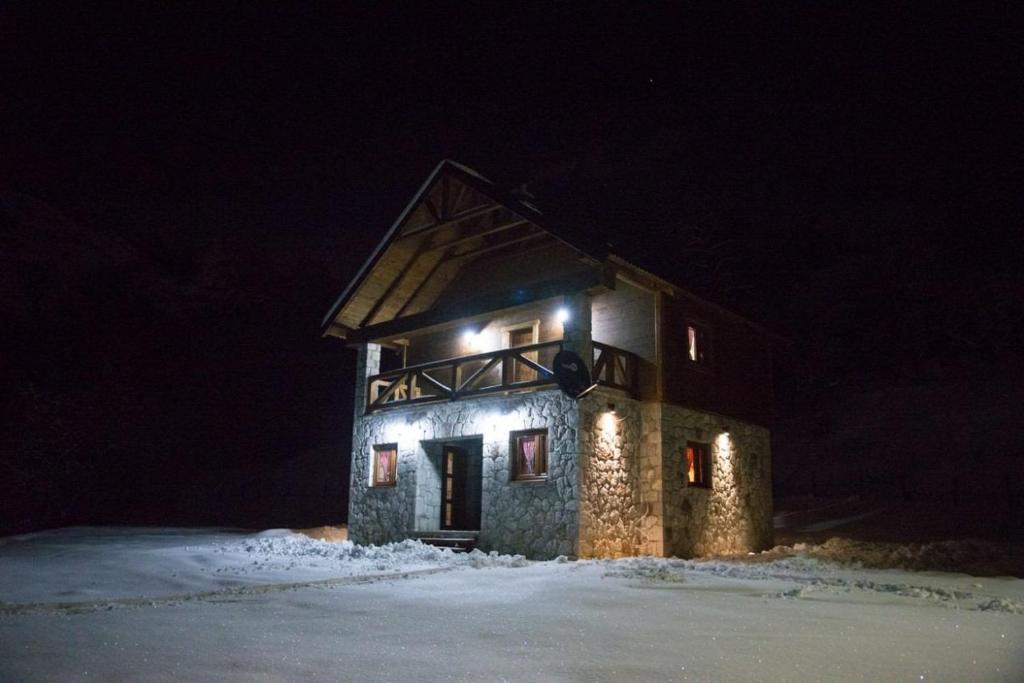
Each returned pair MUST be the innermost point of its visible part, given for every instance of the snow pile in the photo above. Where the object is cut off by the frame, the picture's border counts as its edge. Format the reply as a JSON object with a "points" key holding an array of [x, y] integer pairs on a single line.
{"points": [[275, 550], [808, 576], [89, 567], [970, 556], [1002, 605], [675, 570], [647, 569]]}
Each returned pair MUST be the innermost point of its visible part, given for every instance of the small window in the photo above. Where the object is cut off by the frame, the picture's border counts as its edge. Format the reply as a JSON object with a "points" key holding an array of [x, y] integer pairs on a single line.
{"points": [[698, 464], [529, 450], [385, 463], [696, 344]]}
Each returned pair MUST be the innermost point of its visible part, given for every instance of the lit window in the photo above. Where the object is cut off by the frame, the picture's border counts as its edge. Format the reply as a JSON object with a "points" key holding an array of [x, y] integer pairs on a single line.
{"points": [[696, 344], [529, 451], [698, 464], [385, 462]]}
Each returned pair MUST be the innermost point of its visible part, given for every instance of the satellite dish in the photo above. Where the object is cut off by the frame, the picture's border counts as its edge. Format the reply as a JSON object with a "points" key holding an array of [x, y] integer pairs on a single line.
{"points": [[571, 374]]}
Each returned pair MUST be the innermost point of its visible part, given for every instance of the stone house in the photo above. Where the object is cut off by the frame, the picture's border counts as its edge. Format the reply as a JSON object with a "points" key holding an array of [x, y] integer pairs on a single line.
{"points": [[461, 431]]}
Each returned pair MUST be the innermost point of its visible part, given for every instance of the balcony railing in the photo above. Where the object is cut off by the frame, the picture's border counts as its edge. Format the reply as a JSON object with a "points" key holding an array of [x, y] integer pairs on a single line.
{"points": [[518, 368], [615, 368]]}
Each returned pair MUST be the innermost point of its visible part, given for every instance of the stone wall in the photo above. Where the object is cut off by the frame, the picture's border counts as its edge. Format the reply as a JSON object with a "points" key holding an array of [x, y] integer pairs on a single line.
{"points": [[612, 510], [538, 519], [735, 513], [651, 481], [616, 481]]}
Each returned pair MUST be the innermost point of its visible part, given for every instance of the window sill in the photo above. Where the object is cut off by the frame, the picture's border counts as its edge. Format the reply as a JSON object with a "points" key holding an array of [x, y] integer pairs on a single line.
{"points": [[530, 480]]}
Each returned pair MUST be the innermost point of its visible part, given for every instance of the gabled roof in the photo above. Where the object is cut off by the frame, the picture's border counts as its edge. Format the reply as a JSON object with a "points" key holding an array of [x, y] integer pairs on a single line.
{"points": [[456, 217]]}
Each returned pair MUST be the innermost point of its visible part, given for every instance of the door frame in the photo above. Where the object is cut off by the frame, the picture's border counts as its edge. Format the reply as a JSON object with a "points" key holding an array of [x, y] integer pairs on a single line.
{"points": [[506, 343], [453, 487]]}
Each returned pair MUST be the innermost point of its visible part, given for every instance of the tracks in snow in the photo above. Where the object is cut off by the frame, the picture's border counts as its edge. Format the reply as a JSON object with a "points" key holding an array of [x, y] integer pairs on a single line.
{"points": [[214, 596]]}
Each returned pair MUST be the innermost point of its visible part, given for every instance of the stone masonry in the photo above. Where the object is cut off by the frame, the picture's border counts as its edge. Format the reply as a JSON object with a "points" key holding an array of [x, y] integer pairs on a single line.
{"points": [[616, 475], [536, 518]]}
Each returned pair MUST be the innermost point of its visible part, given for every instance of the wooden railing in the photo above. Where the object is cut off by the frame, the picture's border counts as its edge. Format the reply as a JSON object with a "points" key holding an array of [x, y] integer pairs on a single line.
{"points": [[615, 368], [521, 367]]}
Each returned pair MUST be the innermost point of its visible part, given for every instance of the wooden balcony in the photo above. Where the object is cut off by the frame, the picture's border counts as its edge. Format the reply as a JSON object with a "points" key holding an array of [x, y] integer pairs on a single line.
{"points": [[615, 368], [505, 370]]}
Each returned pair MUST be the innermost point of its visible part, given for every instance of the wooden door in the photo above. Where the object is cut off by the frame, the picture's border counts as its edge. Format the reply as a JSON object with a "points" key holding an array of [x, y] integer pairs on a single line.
{"points": [[453, 488], [521, 372]]}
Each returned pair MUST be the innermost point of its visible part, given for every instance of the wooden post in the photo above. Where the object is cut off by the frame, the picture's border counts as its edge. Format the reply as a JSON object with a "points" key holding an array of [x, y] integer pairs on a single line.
{"points": [[576, 335]]}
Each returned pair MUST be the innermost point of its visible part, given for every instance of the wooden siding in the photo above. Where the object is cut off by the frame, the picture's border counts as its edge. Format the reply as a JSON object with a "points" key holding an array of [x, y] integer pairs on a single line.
{"points": [[450, 342], [625, 318], [736, 380], [512, 269]]}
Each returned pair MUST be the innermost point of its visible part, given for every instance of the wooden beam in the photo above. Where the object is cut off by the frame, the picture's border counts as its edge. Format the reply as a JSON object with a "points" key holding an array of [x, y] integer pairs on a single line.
{"points": [[483, 233], [336, 329], [521, 358], [429, 203], [406, 269], [480, 372], [440, 262], [459, 195], [486, 249], [465, 216], [422, 374], [390, 289], [446, 258], [444, 197], [567, 284]]}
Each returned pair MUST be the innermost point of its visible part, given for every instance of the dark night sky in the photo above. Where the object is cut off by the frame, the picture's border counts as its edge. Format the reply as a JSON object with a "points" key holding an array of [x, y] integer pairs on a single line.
{"points": [[187, 187]]}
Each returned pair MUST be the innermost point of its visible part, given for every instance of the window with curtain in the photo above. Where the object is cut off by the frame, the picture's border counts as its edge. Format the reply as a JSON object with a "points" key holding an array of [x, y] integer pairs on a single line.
{"points": [[698, 464], [697, 345], [385, 464], [529, 453]]}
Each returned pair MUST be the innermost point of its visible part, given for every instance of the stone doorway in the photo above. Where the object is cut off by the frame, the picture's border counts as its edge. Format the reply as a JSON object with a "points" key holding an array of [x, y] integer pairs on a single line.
{"points": [[449, 485]]}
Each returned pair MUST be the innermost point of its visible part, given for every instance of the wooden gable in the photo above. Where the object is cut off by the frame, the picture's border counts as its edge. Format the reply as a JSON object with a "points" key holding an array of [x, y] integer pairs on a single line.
{"points": [[453, 242]]}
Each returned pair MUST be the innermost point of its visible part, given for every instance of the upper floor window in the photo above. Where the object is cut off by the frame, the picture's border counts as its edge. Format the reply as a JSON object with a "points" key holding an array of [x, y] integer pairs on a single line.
{"points": [[529, 450], [697, 344], [385, 464], [698, 464]]}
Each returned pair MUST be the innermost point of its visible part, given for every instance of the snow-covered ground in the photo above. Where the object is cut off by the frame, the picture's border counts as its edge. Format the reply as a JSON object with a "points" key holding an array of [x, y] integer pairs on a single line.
{"points": [[173, 604]]}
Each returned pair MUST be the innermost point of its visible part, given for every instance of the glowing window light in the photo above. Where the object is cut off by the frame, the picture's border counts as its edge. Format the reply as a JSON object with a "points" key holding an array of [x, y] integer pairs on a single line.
{"points": [[698, 464], [384, 465]]}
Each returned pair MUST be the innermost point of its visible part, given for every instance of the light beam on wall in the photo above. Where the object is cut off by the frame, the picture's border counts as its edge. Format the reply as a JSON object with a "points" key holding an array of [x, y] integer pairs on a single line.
{"points": [[471, 339], [608, 425]]}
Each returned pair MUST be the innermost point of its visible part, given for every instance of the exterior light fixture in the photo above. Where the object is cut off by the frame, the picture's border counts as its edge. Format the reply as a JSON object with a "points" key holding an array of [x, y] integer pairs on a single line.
{"points": [[611, 408], [562, 314], [471, 338]]}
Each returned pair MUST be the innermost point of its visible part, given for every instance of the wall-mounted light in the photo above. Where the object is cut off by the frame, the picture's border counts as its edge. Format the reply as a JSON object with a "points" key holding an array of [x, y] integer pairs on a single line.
{"points": [[611, 408], [562, 314], [471, 338], [724, 444]]}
